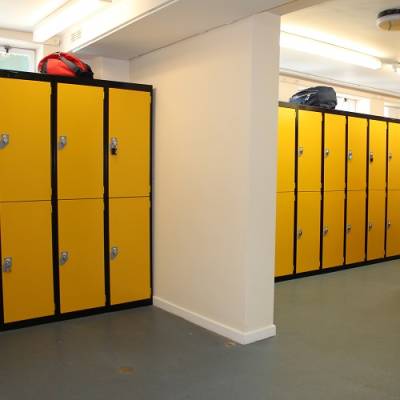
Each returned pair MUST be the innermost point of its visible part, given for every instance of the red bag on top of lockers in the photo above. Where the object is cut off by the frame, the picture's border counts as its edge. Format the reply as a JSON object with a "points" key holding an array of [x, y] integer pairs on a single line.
{"points": [[65, 64]]}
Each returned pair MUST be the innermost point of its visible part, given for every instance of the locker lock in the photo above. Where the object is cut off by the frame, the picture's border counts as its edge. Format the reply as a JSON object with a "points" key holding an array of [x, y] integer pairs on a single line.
{"points": [[62, 142], [7, 264], [325, 230], [299, 233], [390, 156], [350, 155], [371, 157], [327, 151], [64, 256], [114, 146], [389, 224], [4, 140], [370, 226], [114, 252], [348, 228], [300, 151]]}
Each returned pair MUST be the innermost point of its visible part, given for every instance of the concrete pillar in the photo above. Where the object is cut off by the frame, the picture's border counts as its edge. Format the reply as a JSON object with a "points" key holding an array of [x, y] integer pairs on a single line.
{"points": [[216, 99]]}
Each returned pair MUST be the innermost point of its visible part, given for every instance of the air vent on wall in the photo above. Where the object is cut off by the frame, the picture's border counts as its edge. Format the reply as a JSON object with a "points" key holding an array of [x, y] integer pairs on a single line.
{"points": [[76, 35]]}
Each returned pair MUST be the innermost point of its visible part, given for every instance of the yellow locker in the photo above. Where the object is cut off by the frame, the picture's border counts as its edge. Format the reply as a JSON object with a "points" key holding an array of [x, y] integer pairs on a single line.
{"points": [[333, 229], [394, 157], [308, 231], [376, 224], [355, 227], [129, 250], [129, 134], [286, 144], [357, 153], [80, 141], [377, 155], [334, 153], [284, 234], [25, 140], [393, 224], [81, 255], [309, 151], [27, 265]]}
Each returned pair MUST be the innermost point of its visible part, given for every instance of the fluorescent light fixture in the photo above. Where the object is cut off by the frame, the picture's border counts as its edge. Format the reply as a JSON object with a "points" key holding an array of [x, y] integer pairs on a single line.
{"points": [[327, 50], [66, 16]]}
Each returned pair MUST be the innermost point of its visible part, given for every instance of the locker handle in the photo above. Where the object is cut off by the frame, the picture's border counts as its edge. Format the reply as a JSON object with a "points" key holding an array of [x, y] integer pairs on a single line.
{"points": [[62, 142], [371, 157], [348, 228], [389, 224], [299, 233], [350, 155], [64, 256], [114, 252], [7, 264], [114, 146], [301, 151], [4, 140], [325, 230], [370, 226], [327, 152]]}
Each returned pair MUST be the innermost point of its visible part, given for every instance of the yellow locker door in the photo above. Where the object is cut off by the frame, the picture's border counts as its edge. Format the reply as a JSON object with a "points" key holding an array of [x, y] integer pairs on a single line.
{"points": [[393, 224], [80, 141], [309, 151], [355, 227], [394, 157], [333, 229], [81, 255], [376, 224], [284, 234], [27, 265], [129, 131], [377, 155], [335, 149], [308, 231], [25, 140], [286, 143], [129, 250], [357, 153]]}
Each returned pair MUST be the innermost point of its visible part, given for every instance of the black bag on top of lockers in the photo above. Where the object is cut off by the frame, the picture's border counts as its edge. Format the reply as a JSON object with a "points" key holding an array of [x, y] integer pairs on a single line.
{"points": [[319, 96]]}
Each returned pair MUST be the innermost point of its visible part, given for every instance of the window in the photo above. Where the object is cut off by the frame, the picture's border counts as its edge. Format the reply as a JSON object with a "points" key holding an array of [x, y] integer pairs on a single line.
{"points": [[346, 103], [392, 111], [17, 59]]}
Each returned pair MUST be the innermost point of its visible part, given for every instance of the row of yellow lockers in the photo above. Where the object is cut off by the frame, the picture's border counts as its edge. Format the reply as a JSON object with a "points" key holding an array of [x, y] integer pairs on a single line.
{"points": [[25, 141], [27, 255], [323, 136], [348, 237]]}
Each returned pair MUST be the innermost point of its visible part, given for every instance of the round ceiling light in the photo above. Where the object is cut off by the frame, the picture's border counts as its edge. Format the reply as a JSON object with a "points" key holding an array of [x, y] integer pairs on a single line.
{"points": [[389, 20]]}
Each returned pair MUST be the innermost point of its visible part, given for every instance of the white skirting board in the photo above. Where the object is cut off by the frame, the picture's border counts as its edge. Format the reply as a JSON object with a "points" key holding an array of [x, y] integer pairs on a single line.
{"points": [[214, 326]]}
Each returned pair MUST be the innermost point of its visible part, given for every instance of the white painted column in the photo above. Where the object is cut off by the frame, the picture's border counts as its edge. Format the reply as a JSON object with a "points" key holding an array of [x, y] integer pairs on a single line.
{"points": [[216, 98]]}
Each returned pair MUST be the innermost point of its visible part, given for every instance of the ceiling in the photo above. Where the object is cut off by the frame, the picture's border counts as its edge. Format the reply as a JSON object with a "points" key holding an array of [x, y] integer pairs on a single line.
{"points": [[349, 24], [180, 20], [23, 15]]}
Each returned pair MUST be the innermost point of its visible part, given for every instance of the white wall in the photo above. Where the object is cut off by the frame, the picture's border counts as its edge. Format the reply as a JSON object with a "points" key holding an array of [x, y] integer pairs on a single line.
{"points": [[215, 162], [368, 102], [109, 68]]}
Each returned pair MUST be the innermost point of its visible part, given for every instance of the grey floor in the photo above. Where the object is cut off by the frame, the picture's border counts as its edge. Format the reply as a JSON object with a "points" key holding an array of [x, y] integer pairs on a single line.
{"points": [[338, 338]]}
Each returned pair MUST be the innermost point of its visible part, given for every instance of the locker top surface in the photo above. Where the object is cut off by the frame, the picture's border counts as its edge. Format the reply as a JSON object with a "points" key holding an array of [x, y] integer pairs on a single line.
{"points": [[34, 76], [337, 112]]}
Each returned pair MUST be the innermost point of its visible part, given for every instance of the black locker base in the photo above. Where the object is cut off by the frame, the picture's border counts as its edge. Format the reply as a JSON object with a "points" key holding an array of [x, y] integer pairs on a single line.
{"points": [[76, 314], [334, 269]]}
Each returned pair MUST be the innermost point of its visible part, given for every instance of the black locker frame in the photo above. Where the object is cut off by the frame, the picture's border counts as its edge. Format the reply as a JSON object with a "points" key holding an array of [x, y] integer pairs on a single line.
{"points": [[345, 266], [106, 85]]}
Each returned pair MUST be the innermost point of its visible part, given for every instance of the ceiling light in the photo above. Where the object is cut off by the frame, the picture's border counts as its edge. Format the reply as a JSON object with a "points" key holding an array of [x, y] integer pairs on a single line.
{"points": [[389, 20], [315, 47], [66, 16]]}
